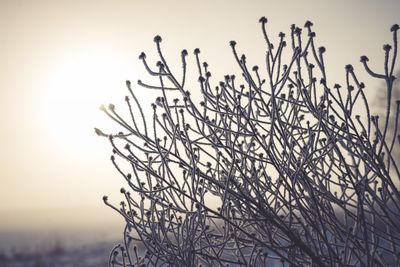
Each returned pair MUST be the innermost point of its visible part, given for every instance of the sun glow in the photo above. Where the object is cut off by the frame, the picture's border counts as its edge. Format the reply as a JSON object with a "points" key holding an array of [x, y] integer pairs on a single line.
{"points": [[74, 91]]}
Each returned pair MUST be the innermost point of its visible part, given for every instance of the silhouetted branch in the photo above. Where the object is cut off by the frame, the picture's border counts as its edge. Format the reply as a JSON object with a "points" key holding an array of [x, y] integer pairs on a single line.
{"points": [[286, 169]]}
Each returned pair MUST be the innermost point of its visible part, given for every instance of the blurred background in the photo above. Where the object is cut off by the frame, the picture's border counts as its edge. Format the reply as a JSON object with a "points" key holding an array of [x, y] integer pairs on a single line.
{"points": [[59, 60]]}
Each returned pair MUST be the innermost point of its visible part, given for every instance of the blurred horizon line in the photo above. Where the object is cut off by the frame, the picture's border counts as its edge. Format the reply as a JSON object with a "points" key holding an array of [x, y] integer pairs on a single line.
{"points": [[63, 218]]}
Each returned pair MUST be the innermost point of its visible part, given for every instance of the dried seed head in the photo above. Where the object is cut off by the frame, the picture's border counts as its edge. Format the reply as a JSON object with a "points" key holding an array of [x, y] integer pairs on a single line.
{"points": [[308, 24], [142, 56], [387, 47], [364, 59], [263, 20], [157, 39], [394, 28], [349, 67]]}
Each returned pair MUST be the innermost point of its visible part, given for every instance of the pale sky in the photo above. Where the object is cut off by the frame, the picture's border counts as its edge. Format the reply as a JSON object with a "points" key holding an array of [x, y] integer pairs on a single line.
{"points": [[59, 60]]}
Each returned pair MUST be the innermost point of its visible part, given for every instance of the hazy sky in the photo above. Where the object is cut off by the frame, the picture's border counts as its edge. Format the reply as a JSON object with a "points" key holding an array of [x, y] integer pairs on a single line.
{"points": [[59, 60]]}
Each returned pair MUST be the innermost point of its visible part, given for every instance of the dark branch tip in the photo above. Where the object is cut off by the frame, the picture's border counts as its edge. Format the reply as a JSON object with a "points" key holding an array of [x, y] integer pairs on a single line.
{"points": [[387, 47], [157, 39], [308, 24], [99, 132], [142, 56], [394, 27], [263, 20], [349, 67], [364, 59]]}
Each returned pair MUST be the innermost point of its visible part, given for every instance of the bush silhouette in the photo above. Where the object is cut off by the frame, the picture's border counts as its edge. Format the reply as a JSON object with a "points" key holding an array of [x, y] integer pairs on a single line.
{"points": [[278, 167]]}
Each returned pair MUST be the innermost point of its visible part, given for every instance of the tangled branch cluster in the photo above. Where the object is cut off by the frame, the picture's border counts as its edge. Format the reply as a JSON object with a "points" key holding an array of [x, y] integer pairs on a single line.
{"points": [[275, 168]]}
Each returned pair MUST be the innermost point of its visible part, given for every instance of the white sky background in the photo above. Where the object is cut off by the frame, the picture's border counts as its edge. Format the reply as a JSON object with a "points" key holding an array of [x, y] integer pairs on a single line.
{"points": [[59, 60]]}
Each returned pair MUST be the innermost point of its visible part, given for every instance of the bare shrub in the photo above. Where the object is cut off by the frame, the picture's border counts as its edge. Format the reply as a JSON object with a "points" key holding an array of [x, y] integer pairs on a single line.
{"points": [[278, 167]]}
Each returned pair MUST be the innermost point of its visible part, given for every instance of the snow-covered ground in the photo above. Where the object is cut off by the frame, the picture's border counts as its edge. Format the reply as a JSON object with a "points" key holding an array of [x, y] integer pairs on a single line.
{"points": [[87, 256], [79, 248]]}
